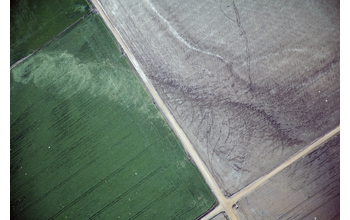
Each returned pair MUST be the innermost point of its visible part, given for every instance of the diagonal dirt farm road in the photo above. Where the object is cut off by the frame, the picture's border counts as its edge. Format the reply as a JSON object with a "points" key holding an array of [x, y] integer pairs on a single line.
{"points": [[233, 199], [246, 190], [223, 202]]}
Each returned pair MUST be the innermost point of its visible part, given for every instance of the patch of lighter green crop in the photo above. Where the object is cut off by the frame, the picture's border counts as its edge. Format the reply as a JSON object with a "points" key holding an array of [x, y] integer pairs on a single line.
{"points": [[182, 163], [157, 115], [67, 75], [80, 8]]}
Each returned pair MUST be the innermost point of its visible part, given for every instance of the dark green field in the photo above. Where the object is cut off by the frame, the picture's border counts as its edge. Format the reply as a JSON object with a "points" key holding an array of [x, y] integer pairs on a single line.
{"points": [[35, 22], [87, 141]]}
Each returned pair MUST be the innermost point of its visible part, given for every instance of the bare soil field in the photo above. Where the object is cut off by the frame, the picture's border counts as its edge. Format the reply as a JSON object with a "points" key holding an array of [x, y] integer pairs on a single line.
{"points": [[305, 152], [250, 83], [220, 217], [308, 189]]}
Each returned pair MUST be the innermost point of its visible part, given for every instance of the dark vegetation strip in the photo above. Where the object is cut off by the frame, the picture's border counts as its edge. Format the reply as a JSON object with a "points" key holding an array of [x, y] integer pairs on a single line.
{"points": [[19, 136], [77, 143], [23, 59], [184, 212], [72, 176], [128, 191], [155, 201], [103, 181]]}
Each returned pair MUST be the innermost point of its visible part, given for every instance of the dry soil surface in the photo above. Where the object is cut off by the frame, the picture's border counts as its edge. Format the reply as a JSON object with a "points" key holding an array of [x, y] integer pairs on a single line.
{"points": [[250, 82], [305, 152], [308, 189], [220, 217]]}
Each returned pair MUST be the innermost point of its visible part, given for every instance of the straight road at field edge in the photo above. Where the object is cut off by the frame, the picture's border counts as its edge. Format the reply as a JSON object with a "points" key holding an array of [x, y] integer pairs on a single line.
{"points": [[169, 117]]}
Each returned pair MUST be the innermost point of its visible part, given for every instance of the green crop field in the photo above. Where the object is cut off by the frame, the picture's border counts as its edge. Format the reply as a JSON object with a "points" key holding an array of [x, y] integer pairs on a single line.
{"points": [[35, 22], [87, 141]]}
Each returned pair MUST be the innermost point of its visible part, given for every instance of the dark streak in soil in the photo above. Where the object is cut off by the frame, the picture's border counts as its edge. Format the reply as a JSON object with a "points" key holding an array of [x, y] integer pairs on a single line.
{"points": [[237, 21]]}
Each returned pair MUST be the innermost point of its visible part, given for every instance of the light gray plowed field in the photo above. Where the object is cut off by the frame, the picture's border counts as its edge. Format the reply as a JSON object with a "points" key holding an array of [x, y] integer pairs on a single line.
{"points": [[251, 83], [308, 189]]}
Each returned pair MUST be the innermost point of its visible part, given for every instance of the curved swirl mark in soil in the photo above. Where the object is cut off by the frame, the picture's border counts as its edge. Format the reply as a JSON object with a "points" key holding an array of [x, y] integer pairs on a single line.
{"points": [[179, 37]]}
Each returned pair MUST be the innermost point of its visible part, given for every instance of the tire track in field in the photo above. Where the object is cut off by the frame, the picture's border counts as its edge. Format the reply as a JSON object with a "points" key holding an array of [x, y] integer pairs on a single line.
{"points": [[71, 177], [102, 182]]}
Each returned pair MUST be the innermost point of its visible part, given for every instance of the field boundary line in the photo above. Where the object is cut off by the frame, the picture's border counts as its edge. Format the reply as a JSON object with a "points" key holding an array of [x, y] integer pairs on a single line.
{"points": [[302, 153], [24, 58], [223, 204], [212, 214]]}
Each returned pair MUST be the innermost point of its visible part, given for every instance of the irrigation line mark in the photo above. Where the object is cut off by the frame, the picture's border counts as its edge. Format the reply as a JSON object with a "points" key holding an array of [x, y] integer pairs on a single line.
{"points": [[23, 59], [171, 120]]}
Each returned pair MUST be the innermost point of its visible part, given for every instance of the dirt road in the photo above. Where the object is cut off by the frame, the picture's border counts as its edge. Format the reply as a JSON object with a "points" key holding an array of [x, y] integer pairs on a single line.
{"points": [[299, 155], [223, 203]]}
